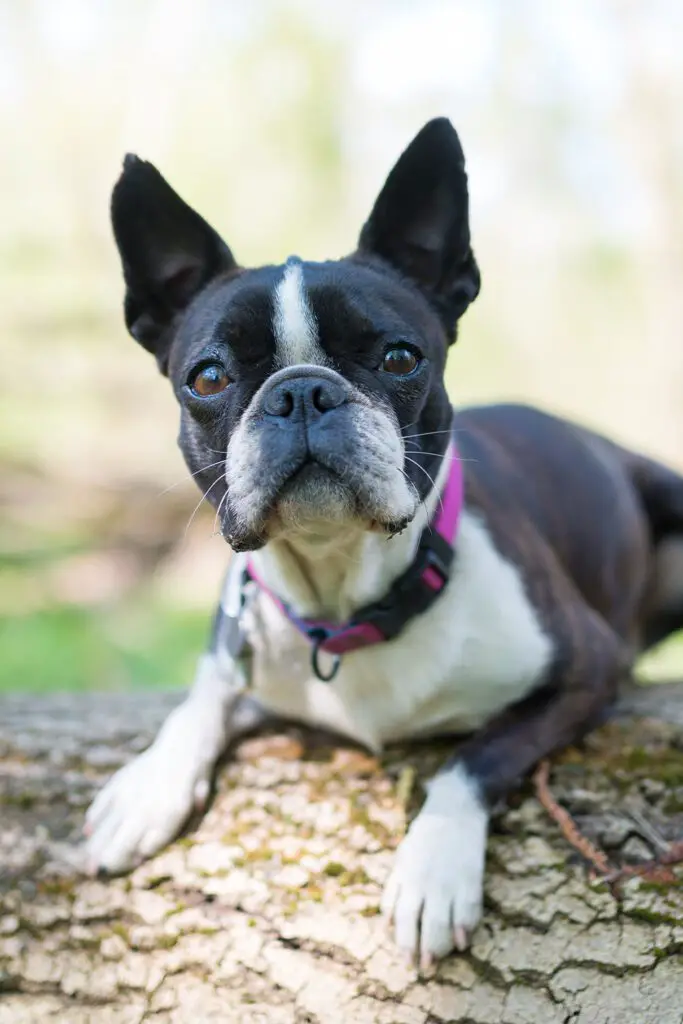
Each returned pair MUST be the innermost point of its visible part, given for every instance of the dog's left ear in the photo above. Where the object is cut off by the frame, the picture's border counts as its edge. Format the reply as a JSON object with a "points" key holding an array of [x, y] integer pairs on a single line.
{"points": [[420, 222]]}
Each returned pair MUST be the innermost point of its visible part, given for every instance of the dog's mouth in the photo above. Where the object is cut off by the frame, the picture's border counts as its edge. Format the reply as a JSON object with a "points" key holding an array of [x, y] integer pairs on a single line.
{"points": [[315, 491], [310, 470], [311, 498]]}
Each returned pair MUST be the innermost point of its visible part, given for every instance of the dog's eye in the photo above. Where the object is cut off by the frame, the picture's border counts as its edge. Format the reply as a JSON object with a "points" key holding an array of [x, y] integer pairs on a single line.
{"points": [[400, 362], [210, 380]]}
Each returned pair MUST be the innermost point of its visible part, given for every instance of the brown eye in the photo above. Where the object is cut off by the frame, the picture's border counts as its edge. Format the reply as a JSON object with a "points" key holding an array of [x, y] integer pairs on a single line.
{"points": [[210, 380], [400, 362]]}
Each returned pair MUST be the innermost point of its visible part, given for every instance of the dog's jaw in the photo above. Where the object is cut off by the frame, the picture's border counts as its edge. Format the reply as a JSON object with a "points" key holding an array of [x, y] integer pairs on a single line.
{"points": [[328, 571]]}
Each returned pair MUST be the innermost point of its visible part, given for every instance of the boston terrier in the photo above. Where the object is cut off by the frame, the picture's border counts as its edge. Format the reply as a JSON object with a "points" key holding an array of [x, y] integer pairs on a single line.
{"points": [[401, 569]]}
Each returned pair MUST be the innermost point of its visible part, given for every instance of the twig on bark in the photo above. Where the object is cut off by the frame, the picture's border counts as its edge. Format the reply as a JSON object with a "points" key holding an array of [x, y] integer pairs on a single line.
{"points": [[566, 823], [656, 870]]}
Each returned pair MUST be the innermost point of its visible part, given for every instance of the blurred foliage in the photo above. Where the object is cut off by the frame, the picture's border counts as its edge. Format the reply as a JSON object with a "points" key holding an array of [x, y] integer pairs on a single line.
{"points": [[132, 643], [279, 121]]}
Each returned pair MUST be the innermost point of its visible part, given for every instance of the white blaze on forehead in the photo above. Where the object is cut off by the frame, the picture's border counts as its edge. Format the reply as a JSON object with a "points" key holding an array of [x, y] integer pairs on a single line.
{"points": [[294, 326]]}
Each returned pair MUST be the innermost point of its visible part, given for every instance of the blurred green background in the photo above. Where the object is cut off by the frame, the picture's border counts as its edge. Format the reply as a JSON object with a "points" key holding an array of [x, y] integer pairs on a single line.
{"points": [[279, 122]]}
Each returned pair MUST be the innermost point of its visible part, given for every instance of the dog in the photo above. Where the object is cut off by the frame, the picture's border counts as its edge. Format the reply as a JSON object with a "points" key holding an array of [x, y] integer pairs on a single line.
{"points": [[400, 569]]}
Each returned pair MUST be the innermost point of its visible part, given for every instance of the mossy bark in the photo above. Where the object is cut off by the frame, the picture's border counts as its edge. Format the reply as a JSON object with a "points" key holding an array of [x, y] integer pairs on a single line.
{"points": [[267, 911]]}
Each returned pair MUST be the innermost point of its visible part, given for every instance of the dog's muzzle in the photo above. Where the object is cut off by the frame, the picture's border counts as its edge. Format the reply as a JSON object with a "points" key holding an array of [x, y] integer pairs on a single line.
{"points": [[312, 448]]}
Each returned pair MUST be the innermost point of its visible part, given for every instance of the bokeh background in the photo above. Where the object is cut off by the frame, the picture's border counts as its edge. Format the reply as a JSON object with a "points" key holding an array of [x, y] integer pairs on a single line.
{"points": [[279, 121]]}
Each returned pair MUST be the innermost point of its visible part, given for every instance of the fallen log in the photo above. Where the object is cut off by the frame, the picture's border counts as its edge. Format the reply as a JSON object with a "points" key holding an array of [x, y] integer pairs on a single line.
{"points": [[267, 911]]}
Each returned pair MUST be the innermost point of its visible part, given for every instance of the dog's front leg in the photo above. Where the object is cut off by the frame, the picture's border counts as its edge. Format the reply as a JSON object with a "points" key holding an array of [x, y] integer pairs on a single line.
{"points": [[435, 892], [148, 801]]}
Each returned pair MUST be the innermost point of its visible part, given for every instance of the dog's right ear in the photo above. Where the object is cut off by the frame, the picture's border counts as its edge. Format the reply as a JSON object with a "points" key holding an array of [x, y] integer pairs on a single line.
{"points": [[169, 253]]}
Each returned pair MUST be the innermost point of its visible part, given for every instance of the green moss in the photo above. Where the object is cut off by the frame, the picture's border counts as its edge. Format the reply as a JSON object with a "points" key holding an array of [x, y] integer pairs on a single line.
{"points": [[156, 880], [314, 893], [671, 772], [664, 888], [359, 815], [258, 855], [624, 762], [673, 804], [346, 876], [664, 765], [357, 876], [23, 801], [653, 916], [636, 758], [57, 887], [118, 928], [334, 869]]}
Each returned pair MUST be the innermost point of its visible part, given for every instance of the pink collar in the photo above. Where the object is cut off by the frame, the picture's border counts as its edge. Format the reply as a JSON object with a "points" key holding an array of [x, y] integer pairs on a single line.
{"points": [[410, 595]]}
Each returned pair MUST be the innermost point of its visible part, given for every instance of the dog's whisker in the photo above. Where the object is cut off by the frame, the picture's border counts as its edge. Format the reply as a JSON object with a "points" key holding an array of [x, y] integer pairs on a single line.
{"points": [[432, 433], [189, 477], [431, 480], [199, 503], [436, 455], [427, 433], [420, 500], [218, 511]]}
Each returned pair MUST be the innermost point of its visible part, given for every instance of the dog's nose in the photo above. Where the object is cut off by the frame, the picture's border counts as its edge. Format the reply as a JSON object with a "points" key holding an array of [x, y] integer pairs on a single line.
{"points": [[311, 396]]}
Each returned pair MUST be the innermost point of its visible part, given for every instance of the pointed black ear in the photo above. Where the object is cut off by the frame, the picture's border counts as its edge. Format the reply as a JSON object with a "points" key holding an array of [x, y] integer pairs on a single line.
{"points": [[169, 253], [420, 222]]}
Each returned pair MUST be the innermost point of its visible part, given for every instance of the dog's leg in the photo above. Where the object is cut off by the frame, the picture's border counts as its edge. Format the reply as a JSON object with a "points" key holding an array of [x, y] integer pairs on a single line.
{"points": [[147, 802], [434, 894]]}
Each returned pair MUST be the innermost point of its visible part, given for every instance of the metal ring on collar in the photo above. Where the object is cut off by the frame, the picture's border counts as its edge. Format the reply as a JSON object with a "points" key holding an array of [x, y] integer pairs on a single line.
{"points": [[315, 664]]}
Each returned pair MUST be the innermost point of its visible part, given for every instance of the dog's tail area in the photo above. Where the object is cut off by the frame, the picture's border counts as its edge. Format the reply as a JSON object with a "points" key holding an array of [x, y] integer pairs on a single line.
{"points": [[661, 492]]}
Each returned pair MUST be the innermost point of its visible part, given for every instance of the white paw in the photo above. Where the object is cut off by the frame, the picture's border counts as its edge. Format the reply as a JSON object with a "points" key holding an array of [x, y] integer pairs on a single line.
{"points": [[435, 891], [147, 802]]}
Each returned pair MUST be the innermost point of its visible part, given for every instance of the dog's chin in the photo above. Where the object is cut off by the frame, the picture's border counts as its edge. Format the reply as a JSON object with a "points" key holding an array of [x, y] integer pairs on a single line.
{"points": [[314, 495], [315, 502]]}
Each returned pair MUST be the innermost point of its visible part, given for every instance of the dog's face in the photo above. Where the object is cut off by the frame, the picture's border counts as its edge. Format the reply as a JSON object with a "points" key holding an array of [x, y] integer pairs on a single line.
{"points": [[311, 394]]}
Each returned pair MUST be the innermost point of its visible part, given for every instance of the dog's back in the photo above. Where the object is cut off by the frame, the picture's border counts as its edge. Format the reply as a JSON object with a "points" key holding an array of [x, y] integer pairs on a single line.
{"points": [[613, 519]]}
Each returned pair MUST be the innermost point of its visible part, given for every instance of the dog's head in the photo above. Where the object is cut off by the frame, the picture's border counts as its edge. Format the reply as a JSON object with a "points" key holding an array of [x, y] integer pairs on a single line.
{"points": [[310, 393]]}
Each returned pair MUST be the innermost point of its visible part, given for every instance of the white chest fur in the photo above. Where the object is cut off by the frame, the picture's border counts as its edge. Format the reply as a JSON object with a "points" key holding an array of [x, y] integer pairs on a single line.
{"points": [[477, 650]]}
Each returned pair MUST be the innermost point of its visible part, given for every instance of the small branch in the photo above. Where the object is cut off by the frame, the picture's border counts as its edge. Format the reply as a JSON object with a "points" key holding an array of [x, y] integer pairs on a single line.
{"points": [[566, 823], [656, 870]]}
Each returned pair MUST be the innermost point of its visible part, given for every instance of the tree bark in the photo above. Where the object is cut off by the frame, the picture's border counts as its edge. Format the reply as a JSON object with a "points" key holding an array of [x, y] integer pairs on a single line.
{"points": [[267, 911]]}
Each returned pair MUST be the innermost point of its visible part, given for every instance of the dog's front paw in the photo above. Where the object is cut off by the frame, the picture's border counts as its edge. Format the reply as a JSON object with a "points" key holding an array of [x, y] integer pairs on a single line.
{"points": [[144, 806], [434, 893]]}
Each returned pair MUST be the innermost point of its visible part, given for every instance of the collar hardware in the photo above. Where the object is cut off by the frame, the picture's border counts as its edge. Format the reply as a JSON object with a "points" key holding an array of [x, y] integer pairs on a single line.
{"points": [[318, 646]]}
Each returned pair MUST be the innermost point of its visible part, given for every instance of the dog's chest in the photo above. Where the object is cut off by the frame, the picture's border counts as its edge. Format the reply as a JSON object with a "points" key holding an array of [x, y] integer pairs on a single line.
{"points": [[478, 649]]}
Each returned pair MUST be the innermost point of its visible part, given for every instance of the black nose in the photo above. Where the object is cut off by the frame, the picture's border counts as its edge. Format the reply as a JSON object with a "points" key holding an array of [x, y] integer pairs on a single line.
{"points": [[311, 396]]}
